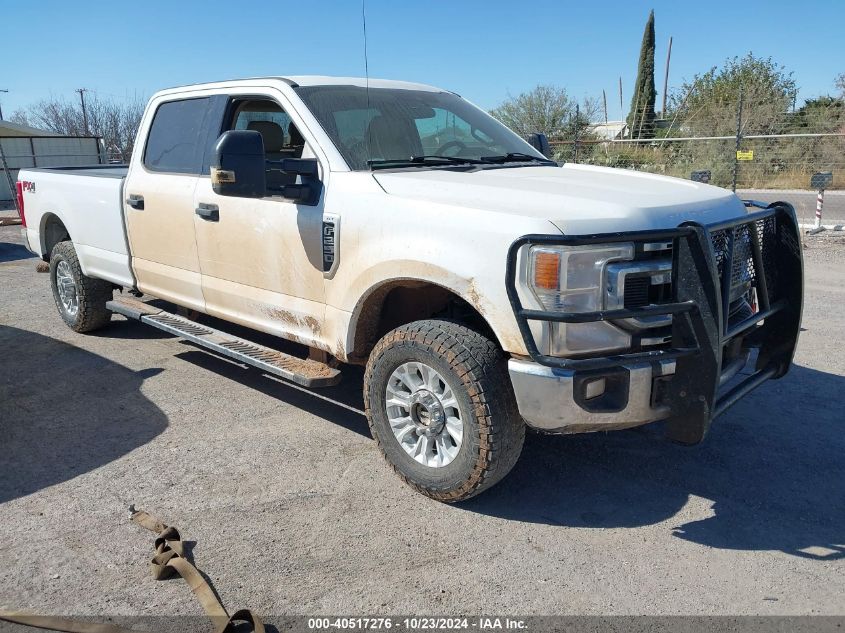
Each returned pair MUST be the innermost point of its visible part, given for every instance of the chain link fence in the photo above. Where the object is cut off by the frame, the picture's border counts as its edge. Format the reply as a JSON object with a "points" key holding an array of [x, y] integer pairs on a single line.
{"points": [[741, 144]]}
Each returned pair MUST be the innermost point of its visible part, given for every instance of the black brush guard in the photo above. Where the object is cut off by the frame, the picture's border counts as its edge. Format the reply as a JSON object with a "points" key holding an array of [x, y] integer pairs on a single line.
{"points": [[760, 250]]}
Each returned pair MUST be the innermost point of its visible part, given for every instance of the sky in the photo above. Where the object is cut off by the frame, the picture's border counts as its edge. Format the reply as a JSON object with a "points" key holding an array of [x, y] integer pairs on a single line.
{"points": [[484, 50]]}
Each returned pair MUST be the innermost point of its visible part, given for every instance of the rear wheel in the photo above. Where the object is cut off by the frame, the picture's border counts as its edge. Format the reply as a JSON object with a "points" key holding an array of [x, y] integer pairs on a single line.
{"points": [[441, 408], [81, 300]]}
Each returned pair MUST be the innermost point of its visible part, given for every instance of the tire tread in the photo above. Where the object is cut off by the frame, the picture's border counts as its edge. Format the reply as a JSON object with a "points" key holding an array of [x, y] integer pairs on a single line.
{"points": [[475, 357], [93, 293]]}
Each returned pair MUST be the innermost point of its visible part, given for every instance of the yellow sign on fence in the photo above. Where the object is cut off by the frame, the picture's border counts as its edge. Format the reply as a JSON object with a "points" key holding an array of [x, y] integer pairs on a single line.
{"points": [[745, 155]]}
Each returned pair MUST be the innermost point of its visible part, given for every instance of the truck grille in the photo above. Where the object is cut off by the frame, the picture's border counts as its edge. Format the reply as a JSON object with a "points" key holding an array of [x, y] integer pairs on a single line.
{"points": [[636, 292], [643, 290], [743, 274]]}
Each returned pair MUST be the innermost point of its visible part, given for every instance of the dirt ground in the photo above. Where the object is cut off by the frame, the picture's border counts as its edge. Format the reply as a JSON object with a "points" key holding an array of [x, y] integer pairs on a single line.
{"points": [[293, 512]]}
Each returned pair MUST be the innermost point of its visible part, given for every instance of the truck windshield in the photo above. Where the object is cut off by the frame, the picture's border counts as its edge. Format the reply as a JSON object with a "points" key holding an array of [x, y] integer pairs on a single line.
{"points": [[392, 127]]}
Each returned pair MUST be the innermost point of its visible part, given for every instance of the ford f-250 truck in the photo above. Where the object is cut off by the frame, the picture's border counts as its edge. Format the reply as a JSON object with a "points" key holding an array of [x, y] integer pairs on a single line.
{"points": [[397, 226]]}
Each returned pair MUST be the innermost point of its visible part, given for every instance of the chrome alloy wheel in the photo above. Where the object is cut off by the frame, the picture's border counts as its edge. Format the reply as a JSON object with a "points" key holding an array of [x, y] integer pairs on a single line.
{"points": [[67, 288], [424, 414]]}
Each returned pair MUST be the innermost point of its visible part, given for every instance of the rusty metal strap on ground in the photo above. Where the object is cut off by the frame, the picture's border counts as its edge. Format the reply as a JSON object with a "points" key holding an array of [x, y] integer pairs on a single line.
{"points": [[169, 558]]}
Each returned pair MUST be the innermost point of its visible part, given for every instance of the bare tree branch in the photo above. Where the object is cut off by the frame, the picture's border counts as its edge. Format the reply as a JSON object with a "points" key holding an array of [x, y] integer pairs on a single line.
{"points": [[116, 121]]}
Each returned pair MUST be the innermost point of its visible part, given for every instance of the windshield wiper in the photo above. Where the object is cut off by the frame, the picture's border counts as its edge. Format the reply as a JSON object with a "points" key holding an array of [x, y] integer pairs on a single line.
{"points": [[424, 159], [435, 159], [516, 157]]}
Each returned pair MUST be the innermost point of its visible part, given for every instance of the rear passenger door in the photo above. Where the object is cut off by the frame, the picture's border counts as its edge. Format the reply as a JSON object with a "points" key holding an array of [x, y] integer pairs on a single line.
{"points": [[159, 200]]}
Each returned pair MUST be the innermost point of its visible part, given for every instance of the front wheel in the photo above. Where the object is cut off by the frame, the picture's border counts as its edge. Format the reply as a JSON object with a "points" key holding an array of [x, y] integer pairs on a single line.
{"points": [[81, 300], [441, 408]]}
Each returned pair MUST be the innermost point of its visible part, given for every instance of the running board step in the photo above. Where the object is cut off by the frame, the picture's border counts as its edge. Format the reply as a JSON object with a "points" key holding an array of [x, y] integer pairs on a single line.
{"points": [[302, 371]]}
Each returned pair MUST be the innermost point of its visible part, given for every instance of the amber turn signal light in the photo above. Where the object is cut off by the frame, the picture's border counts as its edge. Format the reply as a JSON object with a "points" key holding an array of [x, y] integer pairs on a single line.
{"points": [[547, 270]]}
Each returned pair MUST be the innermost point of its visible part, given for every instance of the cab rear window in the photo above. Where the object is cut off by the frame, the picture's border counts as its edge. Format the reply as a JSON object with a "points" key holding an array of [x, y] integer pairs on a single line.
{"points": [[176, 141]]}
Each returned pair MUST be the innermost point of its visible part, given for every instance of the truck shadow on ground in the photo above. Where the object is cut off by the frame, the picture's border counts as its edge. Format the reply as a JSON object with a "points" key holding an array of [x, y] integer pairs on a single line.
{"points": [[341, 405], [772, 468], [125, 329], [65, 411], [13, 252]]}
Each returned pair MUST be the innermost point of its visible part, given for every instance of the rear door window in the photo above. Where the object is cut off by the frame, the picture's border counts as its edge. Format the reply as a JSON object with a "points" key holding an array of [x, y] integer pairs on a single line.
{"points": [[177, 138]]}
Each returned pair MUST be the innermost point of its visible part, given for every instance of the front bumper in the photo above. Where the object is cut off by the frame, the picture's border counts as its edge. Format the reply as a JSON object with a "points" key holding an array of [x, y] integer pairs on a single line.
{"points": [[687, 381], [553, 400]]}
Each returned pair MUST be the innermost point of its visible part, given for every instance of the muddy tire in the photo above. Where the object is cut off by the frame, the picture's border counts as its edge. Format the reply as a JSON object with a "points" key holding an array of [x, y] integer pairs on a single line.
{"points": [[441, 408], [81, 300]]}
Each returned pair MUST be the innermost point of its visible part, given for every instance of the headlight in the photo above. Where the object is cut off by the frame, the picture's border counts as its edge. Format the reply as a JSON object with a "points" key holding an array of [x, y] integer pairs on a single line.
{"points": [[572, 279]]}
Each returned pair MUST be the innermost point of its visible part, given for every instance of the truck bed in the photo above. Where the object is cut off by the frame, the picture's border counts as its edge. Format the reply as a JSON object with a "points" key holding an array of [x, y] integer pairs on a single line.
{"points": [[88, 203]]}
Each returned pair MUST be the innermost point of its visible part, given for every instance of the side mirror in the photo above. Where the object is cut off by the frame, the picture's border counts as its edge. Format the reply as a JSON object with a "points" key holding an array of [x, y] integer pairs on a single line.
{"points": [[539, 142], [238, 167], [305, 167], [308, 190]]}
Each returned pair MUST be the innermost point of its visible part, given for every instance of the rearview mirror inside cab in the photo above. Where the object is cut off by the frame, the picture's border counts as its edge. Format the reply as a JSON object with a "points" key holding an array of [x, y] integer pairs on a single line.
{"points": [[239, 168]]}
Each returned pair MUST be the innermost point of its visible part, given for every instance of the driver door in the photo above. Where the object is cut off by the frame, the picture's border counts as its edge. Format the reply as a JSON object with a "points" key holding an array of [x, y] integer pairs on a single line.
{"points": [[261, 259]]}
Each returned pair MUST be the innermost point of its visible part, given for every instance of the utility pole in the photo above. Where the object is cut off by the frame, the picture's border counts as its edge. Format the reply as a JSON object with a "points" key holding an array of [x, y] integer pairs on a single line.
{"points": [[738, 138], [604, 99], [575, 144], [621, 107], [666, 79], [82, 92], [1, 108]]}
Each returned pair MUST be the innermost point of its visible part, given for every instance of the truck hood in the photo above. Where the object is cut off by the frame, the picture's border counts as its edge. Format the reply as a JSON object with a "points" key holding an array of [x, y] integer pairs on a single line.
{"points": [[577, 199]]}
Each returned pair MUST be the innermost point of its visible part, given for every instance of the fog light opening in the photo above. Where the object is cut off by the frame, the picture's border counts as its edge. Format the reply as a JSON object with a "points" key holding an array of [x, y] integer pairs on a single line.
{"points": [[594, 388]]}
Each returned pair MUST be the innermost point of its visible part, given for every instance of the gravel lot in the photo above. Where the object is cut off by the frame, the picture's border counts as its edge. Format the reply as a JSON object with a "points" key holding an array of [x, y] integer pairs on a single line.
{"points": [[293, 511]]}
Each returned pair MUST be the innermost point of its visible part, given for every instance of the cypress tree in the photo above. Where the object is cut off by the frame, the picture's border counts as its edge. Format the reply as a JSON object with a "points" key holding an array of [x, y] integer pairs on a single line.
{"points": [[641, 117]]}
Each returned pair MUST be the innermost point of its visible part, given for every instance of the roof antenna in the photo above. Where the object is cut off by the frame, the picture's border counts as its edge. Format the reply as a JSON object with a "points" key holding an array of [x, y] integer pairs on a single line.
{"points": [[366, 73]]}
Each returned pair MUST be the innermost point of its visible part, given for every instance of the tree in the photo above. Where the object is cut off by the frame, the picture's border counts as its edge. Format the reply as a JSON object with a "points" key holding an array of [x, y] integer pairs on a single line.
{"points": [[641, 118], [114, 120], [819, 115], [707, 104], [840, 85], [546, 109]]}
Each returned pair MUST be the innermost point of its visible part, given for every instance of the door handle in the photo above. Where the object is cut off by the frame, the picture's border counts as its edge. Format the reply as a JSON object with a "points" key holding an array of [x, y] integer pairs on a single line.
{"points": [[209, 212], [135, 201]]}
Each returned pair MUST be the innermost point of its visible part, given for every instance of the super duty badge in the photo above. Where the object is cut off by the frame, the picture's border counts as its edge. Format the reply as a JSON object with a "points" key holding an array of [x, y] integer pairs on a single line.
{"points": [[331, 235]]}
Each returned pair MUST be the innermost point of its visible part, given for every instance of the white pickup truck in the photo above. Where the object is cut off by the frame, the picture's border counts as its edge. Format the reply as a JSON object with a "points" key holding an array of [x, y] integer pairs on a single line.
{"points": [[397, 226]]}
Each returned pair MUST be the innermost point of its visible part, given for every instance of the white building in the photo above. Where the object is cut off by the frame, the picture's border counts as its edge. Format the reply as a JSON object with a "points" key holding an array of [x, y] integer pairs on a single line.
{"points": [[609, 131]]}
